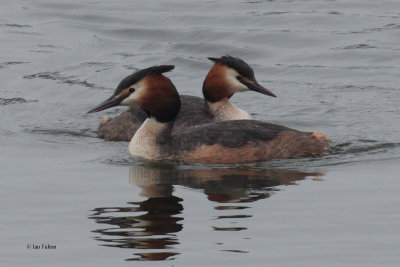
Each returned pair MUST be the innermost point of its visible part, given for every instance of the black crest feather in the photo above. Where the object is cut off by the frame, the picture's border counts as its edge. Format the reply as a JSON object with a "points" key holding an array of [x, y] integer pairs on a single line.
{"points": [[237, 64], [140, 74]]}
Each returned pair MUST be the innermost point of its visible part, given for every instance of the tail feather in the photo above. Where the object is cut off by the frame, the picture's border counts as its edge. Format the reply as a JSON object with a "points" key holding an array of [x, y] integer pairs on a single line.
{"points": [[295, 144]]}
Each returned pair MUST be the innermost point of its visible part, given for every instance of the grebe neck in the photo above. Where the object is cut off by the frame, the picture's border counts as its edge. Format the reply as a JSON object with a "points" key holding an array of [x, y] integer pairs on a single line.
{"points": [[224, 110], [149, 138]]}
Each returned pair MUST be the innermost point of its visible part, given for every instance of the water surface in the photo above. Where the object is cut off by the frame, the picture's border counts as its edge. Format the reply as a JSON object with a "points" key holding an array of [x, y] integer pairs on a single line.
{"points": [[334, 66]]}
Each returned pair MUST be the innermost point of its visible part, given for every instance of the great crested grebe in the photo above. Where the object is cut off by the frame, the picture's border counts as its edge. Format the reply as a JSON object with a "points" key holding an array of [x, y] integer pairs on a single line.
{"points": [[227, 76], [237, 141]]}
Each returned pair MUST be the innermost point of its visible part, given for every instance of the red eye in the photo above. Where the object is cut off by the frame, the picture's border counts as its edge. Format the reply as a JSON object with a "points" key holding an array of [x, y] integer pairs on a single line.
{"points": [[131, 90]]}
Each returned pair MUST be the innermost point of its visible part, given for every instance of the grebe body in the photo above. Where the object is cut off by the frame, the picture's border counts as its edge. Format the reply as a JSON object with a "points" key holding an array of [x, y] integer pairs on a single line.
{"points": [[226, 77], [225, 142], [238, 141]]}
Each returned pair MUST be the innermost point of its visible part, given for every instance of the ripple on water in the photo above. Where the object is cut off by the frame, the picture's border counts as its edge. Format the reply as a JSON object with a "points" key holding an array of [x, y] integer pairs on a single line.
{"points": [[364, 147], [87, 132], [14, 25], [15, 100], [11, 63], [57, 76], [358, 46]]}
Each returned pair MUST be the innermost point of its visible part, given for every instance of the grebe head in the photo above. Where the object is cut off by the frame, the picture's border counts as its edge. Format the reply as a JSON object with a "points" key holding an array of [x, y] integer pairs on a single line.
{"points": [[149, 90], [230, 75]]}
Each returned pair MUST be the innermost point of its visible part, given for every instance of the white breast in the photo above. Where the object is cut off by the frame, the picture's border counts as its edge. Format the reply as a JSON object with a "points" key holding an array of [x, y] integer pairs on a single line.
{"points": [[143, 143]]}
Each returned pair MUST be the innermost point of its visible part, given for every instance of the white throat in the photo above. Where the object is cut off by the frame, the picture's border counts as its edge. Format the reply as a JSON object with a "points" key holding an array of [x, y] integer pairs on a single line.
{"points": [[144, 142], [224, 110]]}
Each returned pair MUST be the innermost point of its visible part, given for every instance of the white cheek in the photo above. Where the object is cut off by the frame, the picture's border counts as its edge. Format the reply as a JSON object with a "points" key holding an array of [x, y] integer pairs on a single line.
{"points": [[133, 99], [129, 101], [235, 85]]}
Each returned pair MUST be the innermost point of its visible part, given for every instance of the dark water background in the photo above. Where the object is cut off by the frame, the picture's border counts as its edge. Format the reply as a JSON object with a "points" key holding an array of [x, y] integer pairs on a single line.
{"points": [[335, 66]]}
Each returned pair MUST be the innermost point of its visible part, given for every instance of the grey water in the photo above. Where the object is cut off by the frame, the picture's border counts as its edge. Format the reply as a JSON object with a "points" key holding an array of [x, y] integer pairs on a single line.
{"points": [[68, 198]]}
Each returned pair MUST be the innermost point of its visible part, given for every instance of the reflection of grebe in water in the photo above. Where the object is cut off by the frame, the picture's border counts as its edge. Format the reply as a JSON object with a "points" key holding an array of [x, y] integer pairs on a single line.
{"points": [[222, 185], [149, 227]]}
